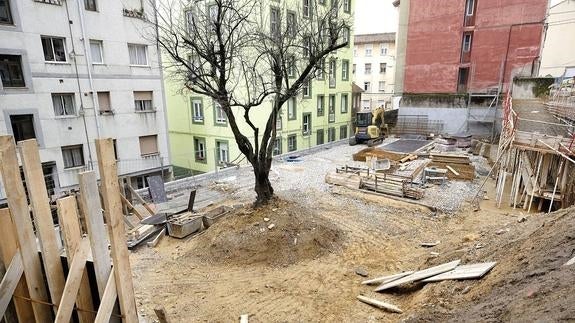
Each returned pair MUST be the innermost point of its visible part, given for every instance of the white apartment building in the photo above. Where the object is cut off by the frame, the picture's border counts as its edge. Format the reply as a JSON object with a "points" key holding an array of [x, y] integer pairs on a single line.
{"points": [[73, 71], [374, 69]]}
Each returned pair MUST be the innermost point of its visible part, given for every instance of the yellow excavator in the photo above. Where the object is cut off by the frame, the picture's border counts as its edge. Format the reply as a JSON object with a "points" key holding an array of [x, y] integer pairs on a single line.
{"points": [[370, 127]]}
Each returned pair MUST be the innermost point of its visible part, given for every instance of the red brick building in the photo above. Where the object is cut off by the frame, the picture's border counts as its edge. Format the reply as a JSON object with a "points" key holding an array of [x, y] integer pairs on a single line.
{"points": [[454, 46]]}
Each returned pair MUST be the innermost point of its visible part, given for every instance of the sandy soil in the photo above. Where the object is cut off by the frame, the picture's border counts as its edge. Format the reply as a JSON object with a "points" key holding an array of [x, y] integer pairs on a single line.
{"points": [[304, 268]]}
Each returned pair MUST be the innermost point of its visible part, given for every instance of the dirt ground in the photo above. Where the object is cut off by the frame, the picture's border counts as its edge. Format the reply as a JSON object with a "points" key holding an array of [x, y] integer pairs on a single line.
{"points": [[303, 269]]}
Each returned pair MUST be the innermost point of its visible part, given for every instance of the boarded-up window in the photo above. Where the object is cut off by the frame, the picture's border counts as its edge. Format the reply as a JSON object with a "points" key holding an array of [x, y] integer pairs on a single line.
{"points": [[149, 145], [104, 101]]}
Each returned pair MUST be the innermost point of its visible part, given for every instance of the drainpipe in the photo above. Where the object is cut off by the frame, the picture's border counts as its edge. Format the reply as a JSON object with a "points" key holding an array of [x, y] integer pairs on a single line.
{"points": [[88, 55]]}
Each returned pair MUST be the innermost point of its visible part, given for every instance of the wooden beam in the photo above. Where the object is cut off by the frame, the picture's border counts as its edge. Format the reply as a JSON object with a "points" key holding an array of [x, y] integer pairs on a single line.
{"points": [[557, 151], [139, 198], [10, 282], [90, 198], [107, 301], [8, 249], [18, 205], [73, 282], [131, 207], [44, 224], [114, 218], [68, 218], [379, 304]]}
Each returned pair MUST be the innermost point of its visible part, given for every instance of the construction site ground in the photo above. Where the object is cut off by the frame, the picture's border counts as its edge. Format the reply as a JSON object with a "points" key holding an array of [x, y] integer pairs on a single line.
{"points": [[305, 268]]}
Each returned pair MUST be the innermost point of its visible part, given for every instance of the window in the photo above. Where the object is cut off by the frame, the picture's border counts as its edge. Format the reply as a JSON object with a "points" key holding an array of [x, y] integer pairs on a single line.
{"points": [[367, 68], [321, 69], [213, 12], [306, 89], [104, 102], [54, 49], [292, 109], [353, 69], [331, 107], [347, 6], [22, 126], [90, 5], [368, 50], [343, 132], [366, 104], [366, 86], [277, 147], [344, 70], [274, 21], [138, 54], [143, 100], [292, 143], [279, 122], [332, 73], [306, 8], [331, 134], [223, 152], [382, 68], [221, 117], [345, 35], [306, 124], [467, 42], [141, 182], [344, 103], [381, 86], [319, 136], [383, 50], [463, 75], [97, 51], [200, 149], [73, 156], [63, 104], [197, 110], [291, 66], [320, 105], [149, 145], [11, 71], [291, 24], [306, 46], [5, 14], [469, 7], [334, 7]]}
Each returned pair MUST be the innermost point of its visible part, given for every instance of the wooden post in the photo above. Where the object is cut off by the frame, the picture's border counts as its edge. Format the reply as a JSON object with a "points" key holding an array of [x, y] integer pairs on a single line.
{"points": [[114, 218], [68, 218], [18, 205], [8, 249], [75, 274], [43, 217], [10, 281], [90, 198], [107, 302]]}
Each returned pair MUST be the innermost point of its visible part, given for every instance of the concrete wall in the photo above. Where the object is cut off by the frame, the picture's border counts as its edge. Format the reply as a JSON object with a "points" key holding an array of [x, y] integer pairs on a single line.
{"points": [[503, 35], [557, 53], [401, 47], [35, 19], [531, 88]]}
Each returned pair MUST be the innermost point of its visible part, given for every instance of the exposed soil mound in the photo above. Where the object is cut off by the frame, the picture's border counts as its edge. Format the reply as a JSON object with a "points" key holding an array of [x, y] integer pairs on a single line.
{"points": [[291, 234], [529, 282]]}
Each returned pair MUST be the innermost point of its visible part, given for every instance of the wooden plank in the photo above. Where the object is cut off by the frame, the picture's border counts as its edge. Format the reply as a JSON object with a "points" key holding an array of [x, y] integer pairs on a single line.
{"points": [[90, 198], [131, 207], [68, 218], [386, 279], [452, 170], [114, 216], [244, 318], [107, 301], [43, 222], [464, 272], [73, 282], [570, 262], [139, 198], [8, 249], [419, 275], [157, 239], [379, 304], [10, 282], [18, 205]]}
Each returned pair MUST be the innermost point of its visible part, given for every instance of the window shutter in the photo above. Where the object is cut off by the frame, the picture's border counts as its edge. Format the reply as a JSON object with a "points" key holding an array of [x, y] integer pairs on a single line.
{"points": [[143, 95], [149, 145], [104, 101]]}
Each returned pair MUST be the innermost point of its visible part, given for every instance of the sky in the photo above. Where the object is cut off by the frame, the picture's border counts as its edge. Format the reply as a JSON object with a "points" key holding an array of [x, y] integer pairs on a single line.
{"points": [[379, 16], [375, 16]]}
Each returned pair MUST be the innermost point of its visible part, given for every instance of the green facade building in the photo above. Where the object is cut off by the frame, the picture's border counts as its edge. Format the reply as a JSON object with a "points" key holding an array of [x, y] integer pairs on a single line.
{"points": [[201, 140]]}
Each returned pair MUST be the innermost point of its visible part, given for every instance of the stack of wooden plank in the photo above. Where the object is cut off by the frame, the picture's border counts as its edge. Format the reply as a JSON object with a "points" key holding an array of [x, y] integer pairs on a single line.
{"points": [[459, 166], [344, 179], [413, 192], [384, 185], [379, 153]]}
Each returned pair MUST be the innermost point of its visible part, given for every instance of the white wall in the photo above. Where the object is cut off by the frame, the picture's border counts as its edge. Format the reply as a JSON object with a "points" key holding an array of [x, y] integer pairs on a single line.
{"points": [[559, 44], [115, 75]]}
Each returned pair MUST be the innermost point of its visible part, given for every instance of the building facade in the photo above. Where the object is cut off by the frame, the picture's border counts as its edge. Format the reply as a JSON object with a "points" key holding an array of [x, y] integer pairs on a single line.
{"points": [[558, 58], [459, 46], [75, 71], [374, 69], [201, 140]]}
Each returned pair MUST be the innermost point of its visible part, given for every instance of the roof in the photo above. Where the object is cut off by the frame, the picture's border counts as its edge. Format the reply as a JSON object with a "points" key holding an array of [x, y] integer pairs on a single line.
{"points": [[355, 88], [374, 38]]}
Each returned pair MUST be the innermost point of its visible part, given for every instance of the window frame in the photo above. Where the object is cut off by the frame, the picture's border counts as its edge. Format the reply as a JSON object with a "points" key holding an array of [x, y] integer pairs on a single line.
{"points": [[291, 147], [306, 9], [275, 27], [467, 48], [100, 48], [367, 68], [53, 50], [381, 88], [346, 105], [331, 108], [317, 136], [343, 132], [469, 4], [306, 132], [382, 68], [367, 86], [320, 98], [156, 153], [306, 89], [347, 6], [291, 27], [292, 116], [197, 142], [345, 70], [61, 98], [136, 46], [10, 17], [31, 117], [277, 149], [141, 103], [8, 67], [71, 148], [332, 73], [219, 159], [383, 50], [222, 120], [368, 50], [89, 7]]}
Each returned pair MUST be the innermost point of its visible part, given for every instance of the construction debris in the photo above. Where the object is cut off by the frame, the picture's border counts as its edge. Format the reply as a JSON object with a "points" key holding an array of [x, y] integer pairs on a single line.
{"points": [[430, 244], [379, 304], [156, 240], [419, 275], [570, 262], [464, 272], [379, 153], [386, 279], [343, 179], [361, 271], [184, 224]]}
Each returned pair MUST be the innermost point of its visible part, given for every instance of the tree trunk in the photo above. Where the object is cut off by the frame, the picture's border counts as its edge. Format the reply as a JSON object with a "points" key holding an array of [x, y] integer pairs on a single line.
{"points": [[263, 187]]}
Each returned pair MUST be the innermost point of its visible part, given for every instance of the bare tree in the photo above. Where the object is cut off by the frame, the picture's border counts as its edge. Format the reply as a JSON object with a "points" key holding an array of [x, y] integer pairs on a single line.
{"points": [[242, 53]]}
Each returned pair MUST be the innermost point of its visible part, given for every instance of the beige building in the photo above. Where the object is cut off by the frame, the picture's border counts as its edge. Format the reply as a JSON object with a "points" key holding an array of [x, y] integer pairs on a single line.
{"points": [[557, 57], [374, 69]]}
